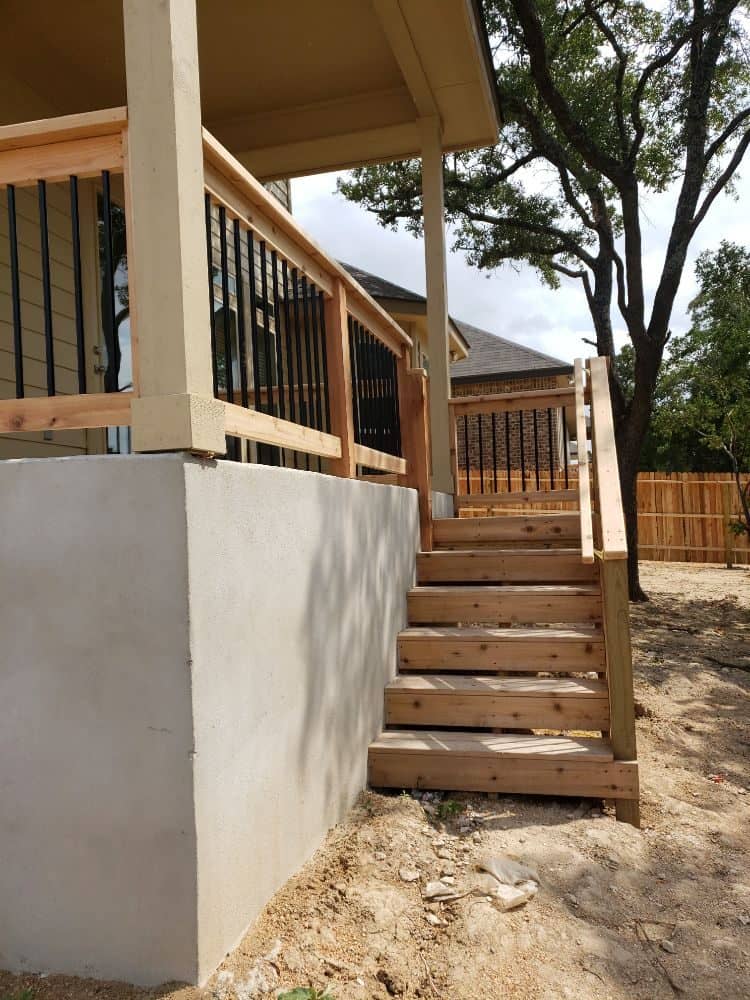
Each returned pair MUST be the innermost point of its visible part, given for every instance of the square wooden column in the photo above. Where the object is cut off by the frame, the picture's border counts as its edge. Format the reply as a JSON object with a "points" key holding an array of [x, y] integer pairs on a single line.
{"points": [[167, 256], [433, 201]]}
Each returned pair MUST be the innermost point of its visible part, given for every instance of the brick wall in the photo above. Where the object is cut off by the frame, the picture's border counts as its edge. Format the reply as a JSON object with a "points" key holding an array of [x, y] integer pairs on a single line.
{"points": [[533, 445]]}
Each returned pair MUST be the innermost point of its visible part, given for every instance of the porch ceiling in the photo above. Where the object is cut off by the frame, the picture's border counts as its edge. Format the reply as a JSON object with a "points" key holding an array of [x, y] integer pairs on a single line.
{"points": [[290, 87]]}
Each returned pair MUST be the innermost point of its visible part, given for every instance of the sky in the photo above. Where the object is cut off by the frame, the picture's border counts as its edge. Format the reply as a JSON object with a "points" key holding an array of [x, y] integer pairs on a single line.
{"points": [[512, 303]]}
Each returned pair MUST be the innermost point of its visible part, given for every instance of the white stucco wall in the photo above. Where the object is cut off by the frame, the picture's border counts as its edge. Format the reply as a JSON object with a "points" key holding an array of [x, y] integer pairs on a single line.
{"points": [[442, 504], [97, 836], [193, 657]]}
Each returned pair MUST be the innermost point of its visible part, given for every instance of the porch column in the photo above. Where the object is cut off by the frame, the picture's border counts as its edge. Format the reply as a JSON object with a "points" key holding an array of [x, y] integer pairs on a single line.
{"points": [[167, 259], [433, 201]]}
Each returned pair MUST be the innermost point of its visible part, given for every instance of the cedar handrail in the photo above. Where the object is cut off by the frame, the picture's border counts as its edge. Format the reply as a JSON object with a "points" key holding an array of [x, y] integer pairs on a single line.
{"points": [[613, 539], [612, 554], [584, 480]]}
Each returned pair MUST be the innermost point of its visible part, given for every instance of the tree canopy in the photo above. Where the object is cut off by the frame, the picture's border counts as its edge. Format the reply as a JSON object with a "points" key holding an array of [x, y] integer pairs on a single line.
{"points": [[602, 101]]}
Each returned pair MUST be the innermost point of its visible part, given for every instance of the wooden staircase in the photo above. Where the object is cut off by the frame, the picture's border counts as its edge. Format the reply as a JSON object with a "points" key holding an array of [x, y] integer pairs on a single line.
{"points": [[506, 671]]}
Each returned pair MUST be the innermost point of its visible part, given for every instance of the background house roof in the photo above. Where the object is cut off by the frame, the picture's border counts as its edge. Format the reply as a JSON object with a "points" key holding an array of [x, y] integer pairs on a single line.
{"points": [[490, 356]]}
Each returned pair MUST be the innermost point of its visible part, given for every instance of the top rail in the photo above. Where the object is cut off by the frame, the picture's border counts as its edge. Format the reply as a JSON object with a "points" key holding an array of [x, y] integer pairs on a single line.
{"points": [[584, 477], [607, 477], [246, 198], [510, 402]]}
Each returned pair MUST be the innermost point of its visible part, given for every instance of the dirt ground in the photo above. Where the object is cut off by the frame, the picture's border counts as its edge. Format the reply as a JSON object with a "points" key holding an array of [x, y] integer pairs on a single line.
{"points": [[660, 912]]}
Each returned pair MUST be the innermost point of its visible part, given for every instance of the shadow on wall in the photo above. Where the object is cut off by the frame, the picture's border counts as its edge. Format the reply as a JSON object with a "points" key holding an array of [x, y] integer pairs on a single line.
{"points": [[355, 607]]}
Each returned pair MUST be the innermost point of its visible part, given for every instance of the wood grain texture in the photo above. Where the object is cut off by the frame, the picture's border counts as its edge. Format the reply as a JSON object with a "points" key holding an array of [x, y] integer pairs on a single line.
{"points": [[514, 604], [496, 566]]}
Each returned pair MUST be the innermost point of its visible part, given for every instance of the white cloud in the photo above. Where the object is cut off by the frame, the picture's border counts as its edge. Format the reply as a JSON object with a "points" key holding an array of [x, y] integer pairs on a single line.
{"points": [[512, 303]]}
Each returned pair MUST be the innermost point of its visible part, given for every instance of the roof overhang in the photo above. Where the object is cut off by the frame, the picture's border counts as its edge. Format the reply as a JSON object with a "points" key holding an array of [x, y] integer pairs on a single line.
{"points": [[407, 310], [290, 88]]}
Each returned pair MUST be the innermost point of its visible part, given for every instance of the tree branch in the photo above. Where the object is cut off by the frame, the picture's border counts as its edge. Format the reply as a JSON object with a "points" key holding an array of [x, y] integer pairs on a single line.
{"points": [[567, 243], [721, 182], [728, 132]]}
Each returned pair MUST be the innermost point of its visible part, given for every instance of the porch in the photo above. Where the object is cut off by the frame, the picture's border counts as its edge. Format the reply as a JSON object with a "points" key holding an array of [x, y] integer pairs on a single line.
{"points": [[203, 644]]}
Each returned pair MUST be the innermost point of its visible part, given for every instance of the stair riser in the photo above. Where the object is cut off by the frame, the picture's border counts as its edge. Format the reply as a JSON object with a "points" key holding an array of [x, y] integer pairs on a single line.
{"points": [[496, 711], [489, 567], [446, 771], [528, 656], [473, 608], [525, 528]]}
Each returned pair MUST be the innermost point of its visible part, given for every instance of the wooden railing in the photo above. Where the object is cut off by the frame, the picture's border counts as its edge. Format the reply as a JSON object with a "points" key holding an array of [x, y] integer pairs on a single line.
{"points": [[49, 319], [512, 448], [611, 551], [502, 463], [305, 363]]}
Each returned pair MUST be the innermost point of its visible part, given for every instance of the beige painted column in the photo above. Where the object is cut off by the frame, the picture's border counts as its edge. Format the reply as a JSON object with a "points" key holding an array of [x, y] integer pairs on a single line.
{"points": [[437, 300], [166, 237]]}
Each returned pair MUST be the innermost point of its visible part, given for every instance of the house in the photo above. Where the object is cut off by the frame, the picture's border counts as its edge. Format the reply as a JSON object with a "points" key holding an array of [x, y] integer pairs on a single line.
{"points": [[195, 651]]}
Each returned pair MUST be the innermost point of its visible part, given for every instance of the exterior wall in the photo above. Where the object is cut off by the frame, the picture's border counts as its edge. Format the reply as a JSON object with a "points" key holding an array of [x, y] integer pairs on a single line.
{"points": [[442, 504], [97, 834], [192, 698], [500, 461], [297, 591], [32, 315]]}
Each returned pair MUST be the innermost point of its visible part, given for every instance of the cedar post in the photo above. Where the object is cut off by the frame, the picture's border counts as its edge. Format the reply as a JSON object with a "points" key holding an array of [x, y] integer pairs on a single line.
{"points": [[340, 381], [415, 442]]}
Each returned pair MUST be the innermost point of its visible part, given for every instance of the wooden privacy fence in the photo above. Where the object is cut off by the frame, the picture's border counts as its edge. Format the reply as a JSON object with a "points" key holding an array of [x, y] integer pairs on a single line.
{"points": [[682, 516], [685, 517]]}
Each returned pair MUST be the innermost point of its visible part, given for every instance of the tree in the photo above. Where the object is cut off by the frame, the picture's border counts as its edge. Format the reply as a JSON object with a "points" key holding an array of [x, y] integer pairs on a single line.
{"points": [[602, 101]]}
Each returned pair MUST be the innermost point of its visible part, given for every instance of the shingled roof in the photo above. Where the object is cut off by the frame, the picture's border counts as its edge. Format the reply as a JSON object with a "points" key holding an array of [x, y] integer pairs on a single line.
{"points": [[490, 356], [379, 288]]}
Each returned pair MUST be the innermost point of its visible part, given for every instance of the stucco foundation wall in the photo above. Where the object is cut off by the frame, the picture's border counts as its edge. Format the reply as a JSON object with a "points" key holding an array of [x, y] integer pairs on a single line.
{"points": [[97, 831], [192, 664], [297, 591], [442, 504]]}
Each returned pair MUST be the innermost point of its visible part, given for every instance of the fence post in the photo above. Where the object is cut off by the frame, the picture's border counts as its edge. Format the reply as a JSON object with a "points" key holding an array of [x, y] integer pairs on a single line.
{"points": [[340, 381], [726, 510], [415, 442]]}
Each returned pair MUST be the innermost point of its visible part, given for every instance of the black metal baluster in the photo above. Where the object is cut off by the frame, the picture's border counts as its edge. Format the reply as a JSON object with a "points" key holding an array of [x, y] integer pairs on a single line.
{"points": [[316, 359], [15, 292], [364, 373], [565, 444], [536, 449], [241, 332], [326, 399], [289, 351], [312, 409], [494, 452], [267, 347], [277, 330], [353, 362], [77, 284], [226, 312], [47, 288], [468, 463], [396, 409], [304, 408], [507, 448], [551, 449], [210, 252], [254, 331], [380, 423], [523, 450], [481, 454]]}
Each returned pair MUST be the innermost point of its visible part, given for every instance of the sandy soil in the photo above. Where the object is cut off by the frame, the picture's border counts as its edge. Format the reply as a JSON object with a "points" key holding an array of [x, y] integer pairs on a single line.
{"points": [[655, 913]]}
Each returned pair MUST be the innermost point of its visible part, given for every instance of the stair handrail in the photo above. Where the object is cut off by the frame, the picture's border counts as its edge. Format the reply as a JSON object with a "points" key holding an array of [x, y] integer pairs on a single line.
{"points": [[584, 474], [612, 556]]}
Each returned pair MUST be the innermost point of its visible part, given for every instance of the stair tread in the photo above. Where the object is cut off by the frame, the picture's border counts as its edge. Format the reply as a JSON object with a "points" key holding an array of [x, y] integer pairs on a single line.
{"points": [[520, 746], [448, 684], [564, 515], [566, 589], [477, 633], [500, 553]]}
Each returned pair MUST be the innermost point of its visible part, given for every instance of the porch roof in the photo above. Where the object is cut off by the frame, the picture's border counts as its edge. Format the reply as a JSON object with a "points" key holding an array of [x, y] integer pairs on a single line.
{"points": [[290, 88]]}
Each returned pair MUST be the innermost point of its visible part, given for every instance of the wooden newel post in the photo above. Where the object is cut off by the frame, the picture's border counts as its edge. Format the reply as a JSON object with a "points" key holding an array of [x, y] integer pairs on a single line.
{"points": [[415, 442], [340, 381], [454, 458]]}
